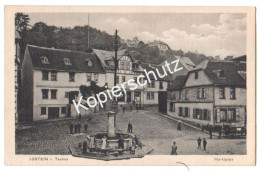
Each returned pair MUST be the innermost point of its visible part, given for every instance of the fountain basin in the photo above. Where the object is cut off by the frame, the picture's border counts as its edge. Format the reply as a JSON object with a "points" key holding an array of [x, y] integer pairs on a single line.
{"points": [[112, 142]]}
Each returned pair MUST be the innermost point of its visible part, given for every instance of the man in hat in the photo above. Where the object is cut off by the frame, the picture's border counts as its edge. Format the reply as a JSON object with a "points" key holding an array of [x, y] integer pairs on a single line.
{"points": [[204, 144]]}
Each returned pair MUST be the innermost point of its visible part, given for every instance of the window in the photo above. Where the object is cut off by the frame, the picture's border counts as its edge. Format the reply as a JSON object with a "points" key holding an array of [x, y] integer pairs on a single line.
{"points": [[186, 95], [231, 115], [232, 93], [186, 112], [151, 85], [66, 95], [45, 93], [172, 107], [197, 114], [90, 63], [117, 79], [222, 92], [43, 111], [123, 79], [219, 73], [201, 93], [67, 61], [150, 96], [89, 77], [206, 115], [122, 65], [53, 76], [226, 115], [180, 95], [196, 75], [63, 110], [135, 78], [127, 65], [44, 60], [161, 85], [71, 76], [45, 75], [53, 94], [96, 77], [121, 98]]}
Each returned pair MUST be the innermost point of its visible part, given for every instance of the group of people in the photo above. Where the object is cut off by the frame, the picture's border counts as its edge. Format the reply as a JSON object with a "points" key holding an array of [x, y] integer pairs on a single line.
{"points": [[204, 141], [77, 128], [90, 145], [137, 106]]}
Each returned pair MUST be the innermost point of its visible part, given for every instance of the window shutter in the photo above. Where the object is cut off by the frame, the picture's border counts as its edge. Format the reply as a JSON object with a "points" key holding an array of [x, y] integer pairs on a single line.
{"points": [[194, 113], [209, 116], [218, 115], [200, 114], [188, 112], [237, 113]]}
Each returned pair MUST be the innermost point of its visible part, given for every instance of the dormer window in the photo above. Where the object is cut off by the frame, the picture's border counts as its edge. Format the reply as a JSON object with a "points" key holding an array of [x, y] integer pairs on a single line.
{"points": [[67, 61], [219, 73], [44, 60], [89, 62]]}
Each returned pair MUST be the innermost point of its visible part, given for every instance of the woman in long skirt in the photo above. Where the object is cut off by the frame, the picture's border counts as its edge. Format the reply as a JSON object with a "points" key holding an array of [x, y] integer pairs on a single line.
{"points": [[92, 143], [104, 143]]}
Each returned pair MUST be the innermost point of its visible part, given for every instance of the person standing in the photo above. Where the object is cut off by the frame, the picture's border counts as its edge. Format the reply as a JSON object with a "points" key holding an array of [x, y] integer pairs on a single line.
{"points": [[137, 107], [84, 150], [104, 143], [71, 128], [199, 143], [92, 143], [131, 128], [128, 127], [204, 144], [76, 128], [123, 109], [174, 149], [130, 143], [79, 127], [121, 142]]}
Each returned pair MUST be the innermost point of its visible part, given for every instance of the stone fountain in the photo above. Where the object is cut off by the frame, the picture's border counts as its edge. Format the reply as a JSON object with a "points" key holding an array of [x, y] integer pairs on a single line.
{"points": [[112, 151]]}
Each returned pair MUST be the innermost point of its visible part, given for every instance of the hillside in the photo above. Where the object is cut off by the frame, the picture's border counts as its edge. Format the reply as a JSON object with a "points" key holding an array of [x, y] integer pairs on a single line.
{"points": [[76, 38]]}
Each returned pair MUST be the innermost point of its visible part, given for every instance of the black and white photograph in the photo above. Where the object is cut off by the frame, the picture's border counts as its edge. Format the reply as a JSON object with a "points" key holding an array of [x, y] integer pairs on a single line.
{"points": [[105, 86]]}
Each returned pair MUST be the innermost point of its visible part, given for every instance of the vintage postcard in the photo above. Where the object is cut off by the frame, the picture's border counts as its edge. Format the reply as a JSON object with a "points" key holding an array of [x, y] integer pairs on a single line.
{"points": [[93, 85]]}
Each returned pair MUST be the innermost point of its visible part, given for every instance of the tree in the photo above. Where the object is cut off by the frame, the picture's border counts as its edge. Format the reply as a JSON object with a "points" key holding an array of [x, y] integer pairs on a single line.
{"points": [[21, 22]]}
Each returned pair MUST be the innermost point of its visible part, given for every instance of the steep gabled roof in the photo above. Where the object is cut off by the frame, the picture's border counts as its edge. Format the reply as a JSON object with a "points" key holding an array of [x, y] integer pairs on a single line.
{"points": [[186, 60], [56, 60], [104, 55], [178, 83], [230, 75]]}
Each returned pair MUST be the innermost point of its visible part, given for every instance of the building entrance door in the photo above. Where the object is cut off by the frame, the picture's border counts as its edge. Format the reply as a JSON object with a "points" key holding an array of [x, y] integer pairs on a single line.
{"points": [[53, 112], [129, 98]]}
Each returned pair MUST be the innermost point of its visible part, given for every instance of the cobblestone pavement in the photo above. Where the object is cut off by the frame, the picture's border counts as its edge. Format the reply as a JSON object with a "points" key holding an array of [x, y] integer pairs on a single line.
{"points": [[153, 130]]}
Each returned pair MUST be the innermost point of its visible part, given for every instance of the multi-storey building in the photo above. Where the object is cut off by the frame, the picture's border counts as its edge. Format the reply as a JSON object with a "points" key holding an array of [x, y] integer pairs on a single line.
{"points": [[157, 86], [128, 68], [163, 47], [48, 75], [212, 93]]}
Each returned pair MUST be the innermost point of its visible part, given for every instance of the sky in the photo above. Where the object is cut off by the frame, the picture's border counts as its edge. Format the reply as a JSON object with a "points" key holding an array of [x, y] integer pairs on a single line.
{"points": [[211, 34]]}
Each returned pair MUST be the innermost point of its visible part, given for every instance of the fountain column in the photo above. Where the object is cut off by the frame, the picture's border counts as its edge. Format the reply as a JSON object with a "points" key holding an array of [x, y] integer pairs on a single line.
{"points": [[111, 124]]}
